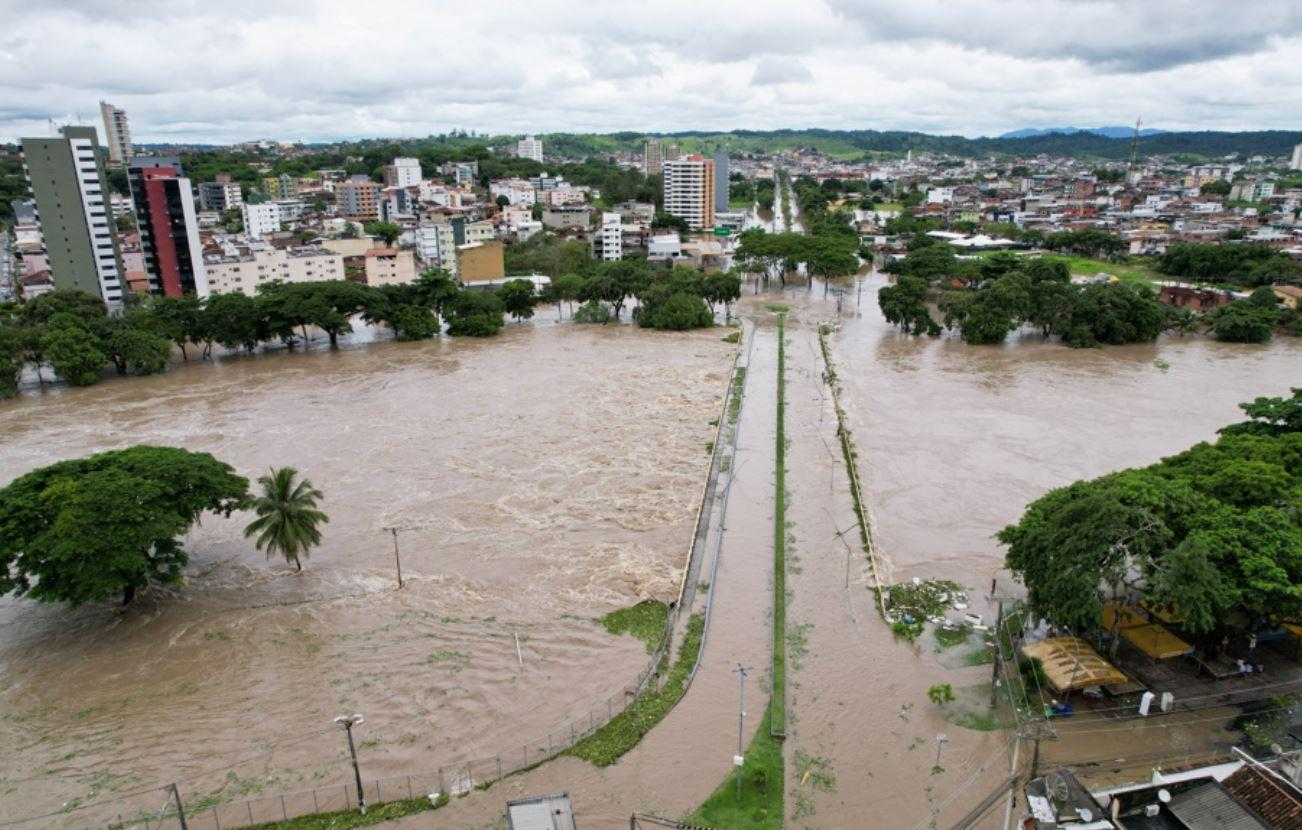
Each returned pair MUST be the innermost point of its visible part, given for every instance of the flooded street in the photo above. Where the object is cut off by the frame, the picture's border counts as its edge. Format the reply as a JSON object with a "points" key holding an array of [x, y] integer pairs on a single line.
{"points": [[538, 480], [548, 476], [953, 442]]}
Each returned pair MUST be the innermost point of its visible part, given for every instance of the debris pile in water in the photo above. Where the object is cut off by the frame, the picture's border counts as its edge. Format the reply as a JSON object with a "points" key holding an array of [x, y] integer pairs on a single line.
{"points": [[924, 599]]}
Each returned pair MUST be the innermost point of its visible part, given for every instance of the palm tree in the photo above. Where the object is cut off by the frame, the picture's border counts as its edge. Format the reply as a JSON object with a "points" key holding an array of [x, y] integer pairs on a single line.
{"points": [[287, 515]]}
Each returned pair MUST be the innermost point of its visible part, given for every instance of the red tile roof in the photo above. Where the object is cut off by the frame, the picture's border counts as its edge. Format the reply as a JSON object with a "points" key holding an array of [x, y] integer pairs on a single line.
{"points": [[1267, 796]]}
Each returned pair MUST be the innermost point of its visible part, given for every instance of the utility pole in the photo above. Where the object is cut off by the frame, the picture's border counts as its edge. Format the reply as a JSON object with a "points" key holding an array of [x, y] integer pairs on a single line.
{"points": [[180, 809], [396, 559], [741, 720], [348, 723]]}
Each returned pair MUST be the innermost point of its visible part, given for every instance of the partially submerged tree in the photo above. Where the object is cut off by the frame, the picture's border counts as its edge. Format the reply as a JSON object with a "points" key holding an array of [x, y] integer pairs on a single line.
{"points": [[288, 519], [84, 530]]}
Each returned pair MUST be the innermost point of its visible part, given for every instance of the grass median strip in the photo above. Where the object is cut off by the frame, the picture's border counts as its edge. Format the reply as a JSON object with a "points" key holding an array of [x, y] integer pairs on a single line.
{"points": [[605, 746], [763, 777], [778, 703]]}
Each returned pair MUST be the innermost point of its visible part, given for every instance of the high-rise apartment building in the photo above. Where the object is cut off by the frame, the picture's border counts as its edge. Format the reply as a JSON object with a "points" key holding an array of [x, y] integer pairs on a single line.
{"points": [[689, 190], [529, 148], [404, 172], [283, 186], [609, 241], [169, 231], [220, 195], [260, 219], [652, 157], [70, 186], [117, 134], [1296, 162], [672, 152], [359, 201], [721, 181]]}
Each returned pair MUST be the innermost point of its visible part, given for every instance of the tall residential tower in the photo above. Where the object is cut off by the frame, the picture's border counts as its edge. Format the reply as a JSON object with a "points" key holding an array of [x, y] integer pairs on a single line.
{"points": [[529, 148], [169, 231], [652, 157], [117, 134], [689, 190], [71, 190]]}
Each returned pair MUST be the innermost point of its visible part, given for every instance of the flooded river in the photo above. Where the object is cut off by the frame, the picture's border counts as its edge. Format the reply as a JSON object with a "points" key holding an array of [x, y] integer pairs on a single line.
{"points": [[538, 480]]}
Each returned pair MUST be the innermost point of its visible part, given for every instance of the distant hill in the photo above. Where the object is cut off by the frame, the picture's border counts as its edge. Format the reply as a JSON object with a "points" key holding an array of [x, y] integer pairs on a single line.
{"points": [[860, 144], [1106, 132]]}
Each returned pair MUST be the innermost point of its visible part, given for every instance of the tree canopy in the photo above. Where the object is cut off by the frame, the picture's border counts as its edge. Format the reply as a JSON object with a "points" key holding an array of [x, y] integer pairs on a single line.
{"points": [[86, 529], [1211, 533]]}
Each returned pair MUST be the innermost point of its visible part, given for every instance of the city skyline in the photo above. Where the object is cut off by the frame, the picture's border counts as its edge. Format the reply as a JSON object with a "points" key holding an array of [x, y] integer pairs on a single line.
{"points": [[975, 69]]}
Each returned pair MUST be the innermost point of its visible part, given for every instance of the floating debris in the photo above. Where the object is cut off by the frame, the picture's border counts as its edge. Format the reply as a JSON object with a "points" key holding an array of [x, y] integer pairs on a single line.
{"points": [[924, 599]]}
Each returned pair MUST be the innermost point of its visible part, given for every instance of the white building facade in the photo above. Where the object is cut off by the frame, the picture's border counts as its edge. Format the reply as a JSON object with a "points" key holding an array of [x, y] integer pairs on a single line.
{"points": [[609, 241], [529, 148], [260, 219], [403, 172]]}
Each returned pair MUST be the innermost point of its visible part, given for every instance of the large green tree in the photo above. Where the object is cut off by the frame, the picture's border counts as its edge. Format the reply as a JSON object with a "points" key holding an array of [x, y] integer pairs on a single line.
{"points": [[1211, 532], [904, 304], [518, 298], [75, 353], [288, 520], [90, 528]]}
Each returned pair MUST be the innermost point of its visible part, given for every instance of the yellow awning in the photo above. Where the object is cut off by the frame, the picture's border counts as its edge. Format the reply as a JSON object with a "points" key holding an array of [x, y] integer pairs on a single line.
{"points": [[1129, 617], [1167, 614], [1071, 663], [1156, 641]]}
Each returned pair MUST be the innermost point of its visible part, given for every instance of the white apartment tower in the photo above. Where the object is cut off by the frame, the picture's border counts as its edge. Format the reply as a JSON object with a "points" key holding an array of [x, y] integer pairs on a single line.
{"points": [[689, 190], [529, 148], [1296, 162], [260, 219], [610, 241], [652, 157], [116, 133], [404, 172]]}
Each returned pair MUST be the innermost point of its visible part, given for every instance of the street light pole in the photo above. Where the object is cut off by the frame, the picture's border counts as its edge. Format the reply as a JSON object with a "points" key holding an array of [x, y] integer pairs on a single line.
{"points": [[348, 723], [397, 560], [741, 720]]}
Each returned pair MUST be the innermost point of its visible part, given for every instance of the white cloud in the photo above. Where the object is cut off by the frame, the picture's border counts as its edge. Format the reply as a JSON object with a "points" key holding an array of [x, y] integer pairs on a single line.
{"points": [[778, 69], [325, 69]]}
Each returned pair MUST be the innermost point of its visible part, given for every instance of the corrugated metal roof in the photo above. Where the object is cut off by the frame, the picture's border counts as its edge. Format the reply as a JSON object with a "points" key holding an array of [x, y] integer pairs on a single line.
{"points": [[1210, 807]]}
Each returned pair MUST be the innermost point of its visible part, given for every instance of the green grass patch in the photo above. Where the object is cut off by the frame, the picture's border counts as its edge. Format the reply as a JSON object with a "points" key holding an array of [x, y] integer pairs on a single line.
{"points": [[895, 206], [605, 746], [732, 338], [778, 702], [734, 402], [345, 819], [645, 621], [760, 807]]}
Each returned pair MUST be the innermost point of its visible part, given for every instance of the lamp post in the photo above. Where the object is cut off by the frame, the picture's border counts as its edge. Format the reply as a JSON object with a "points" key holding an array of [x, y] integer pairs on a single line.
{"points": [[396, 559], [348, 723], [941, 740], [741, 720]]}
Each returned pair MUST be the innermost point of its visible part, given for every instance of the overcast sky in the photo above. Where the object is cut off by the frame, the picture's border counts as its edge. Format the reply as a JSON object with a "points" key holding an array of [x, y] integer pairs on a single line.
{"points": [[314, 70]]}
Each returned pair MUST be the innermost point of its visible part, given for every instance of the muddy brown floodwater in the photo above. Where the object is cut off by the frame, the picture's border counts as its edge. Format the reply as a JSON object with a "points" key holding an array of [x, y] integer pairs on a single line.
{"points": [[539, 479], [953, 442]]}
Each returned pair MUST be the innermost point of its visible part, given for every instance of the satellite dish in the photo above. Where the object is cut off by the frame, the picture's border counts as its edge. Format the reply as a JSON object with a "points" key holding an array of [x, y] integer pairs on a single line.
{"points": [[1164, 796], [1277, 749], [1086, 815], [1056, 786]]}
